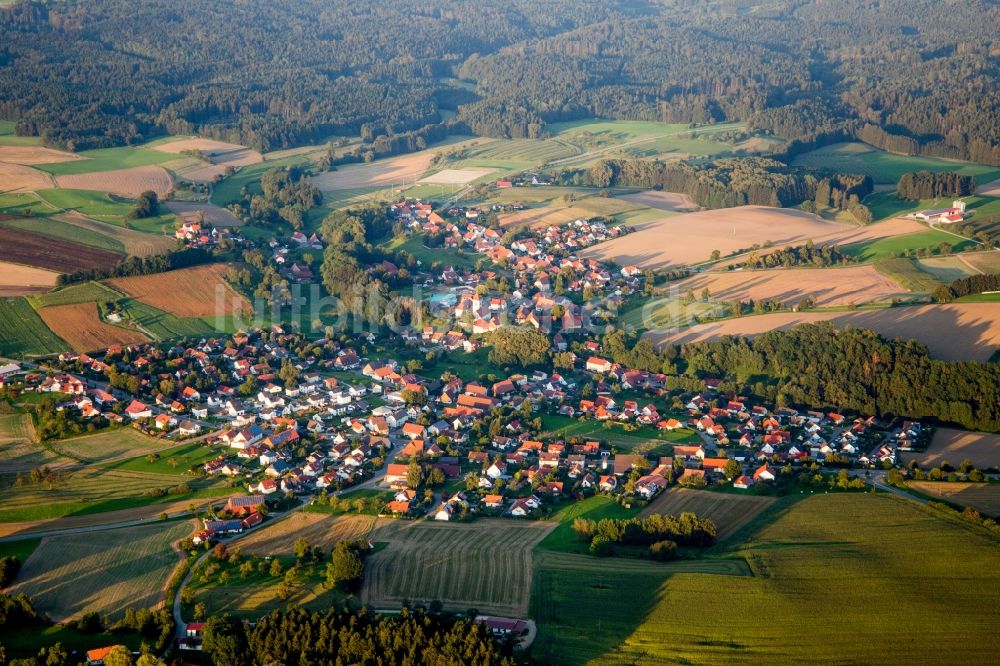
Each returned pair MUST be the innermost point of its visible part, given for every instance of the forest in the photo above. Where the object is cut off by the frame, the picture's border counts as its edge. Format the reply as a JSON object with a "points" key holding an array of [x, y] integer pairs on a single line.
{"points": [[917, 185], [904, 75]]}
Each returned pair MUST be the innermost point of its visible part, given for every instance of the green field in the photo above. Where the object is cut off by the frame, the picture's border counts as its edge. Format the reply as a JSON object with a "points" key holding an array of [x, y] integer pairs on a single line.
{"points": [[887, 248], [908, 273], [563, 539], [108, 159], [175, 460], [163, 325], [22, 331], [427, 256], [877, 579], [105, 208], [108, 444], [229, 189], [886, 168], [84, 292], [645, 439], [63, 231], [14, 203]]}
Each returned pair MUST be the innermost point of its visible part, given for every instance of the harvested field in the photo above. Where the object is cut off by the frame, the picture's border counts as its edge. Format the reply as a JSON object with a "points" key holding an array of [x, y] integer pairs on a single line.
{"points": [[123, 182], [946, 269], [952, 332], [23, 247], [672, 201], [18, 280], [103, 572], [108, 445], [136, 243], [983, 497], [827, 286], [217, 216], [189, 292], [954, 446], [34, 155], [982, 262], [691, 238], [486, 565], [728, 512], [18, 451], [539, 218], [395, 170], [847, 235], [80, 325], [18, 178], [456, 176], [318, 529], [990, 189]]}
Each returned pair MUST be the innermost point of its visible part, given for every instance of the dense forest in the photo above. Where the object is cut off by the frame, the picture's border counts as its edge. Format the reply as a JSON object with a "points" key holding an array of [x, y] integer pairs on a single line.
{"points": [[910, 76], [967, 286], [917, 185]]}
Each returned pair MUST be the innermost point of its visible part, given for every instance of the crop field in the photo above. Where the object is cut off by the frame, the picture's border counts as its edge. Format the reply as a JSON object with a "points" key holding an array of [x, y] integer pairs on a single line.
{"points": [[19, 280], [728, 512], [217, 216], [163, 325], [390, 171], [691, 238], [132, 242], [201, 291], [886, 248], [176, 460], [318, 529], [909, 275], [983, 497], [486, 565], [108, 445], [30, 249], [55, 228], [82, 292], [990, 189], [945, 269], [826, 286], [954, 446], [23, 331], [952, 332], [18, 450], [103, 572], [106, 208], [886, 167], [219, 153], [129, 182], [455, 176], [13, 204], [834, 559], [671, 201], [545, 216], [983, 262], [108, 159], [80, 325], [27, 154], [18, 178]]}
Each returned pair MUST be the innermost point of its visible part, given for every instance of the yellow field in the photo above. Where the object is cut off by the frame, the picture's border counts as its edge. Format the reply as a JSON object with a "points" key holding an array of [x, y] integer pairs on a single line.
{"points": [[728, 512], [103, 572], [201, 291], [109, 445], [984, 497], [954, 446], [129, 182], [317, 528], [80, 325]]}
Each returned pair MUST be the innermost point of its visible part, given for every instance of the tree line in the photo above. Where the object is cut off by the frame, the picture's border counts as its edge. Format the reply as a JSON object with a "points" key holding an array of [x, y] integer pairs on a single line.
{"points": [[131, 266], [798, 255], [663, 531], [967, 286], [917, 185]]}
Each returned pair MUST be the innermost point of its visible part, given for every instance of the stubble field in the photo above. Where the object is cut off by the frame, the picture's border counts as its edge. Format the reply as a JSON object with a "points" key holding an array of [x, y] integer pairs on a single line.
{"points": [[34, 155], [983, 497], [954, 446], [394, 170], [121, 182], [728, 512], [672, 201], [80, 325], [187, 292], [18, 178]]}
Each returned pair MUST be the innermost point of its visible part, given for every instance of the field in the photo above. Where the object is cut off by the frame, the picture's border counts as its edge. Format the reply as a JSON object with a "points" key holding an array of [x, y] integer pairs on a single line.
{"points": [[122, 182], [104, 572], [728, 512], [163, 325], [23, 247], [80, 325], [391, 171], [886, 168], [189, 292], [836, 581], [217, 216], [317, 528], [54, 228], [108, 445], [108, 159], [910, 275], [34, 155], [984, 262], [952, 332], [486, 565], [18, 178], [135, 243], [18, 450], [220, 155], [954, 446], [671, 201], [18, 280], [456, 176], [983, 497], [691, 238], [990, 189], [946, 269], [885, 248], [23, 332], [827, 287], [81, 292], [544, 216]]}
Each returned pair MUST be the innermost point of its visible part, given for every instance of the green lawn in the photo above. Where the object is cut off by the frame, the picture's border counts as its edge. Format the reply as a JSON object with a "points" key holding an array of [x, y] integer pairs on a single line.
{"points": [[184, 455], [108, 159], [646, 439], [63, 231], [427, 256], [886, 168], [563, 539], [22, 331], [838, 578], [887, 248]]}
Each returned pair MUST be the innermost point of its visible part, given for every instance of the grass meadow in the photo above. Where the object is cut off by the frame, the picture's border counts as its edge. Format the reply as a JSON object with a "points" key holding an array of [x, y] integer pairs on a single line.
{"points": [[22, 331], [886, 168]]}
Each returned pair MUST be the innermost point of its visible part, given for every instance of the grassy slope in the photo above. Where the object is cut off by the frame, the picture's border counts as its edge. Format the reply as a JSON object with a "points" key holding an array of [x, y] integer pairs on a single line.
{"points": [[844, 578], [885, 168], [108, 159], [886, 248]]}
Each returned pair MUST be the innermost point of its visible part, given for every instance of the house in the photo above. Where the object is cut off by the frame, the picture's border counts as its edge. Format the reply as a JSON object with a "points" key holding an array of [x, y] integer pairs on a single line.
{"points": [[596, 364], [138, 410], [493, 501], [396, 475], [743, 482], [246, 504], [764, 473], [398, 507], [97, 657]]}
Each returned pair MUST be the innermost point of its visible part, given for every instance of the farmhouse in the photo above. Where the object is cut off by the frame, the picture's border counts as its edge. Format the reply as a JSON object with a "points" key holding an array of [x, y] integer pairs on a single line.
{"points": [[943, 215]]}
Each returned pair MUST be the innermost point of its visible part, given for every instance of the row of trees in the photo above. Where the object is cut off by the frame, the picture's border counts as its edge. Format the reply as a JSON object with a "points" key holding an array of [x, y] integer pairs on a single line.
{"points": [[133, 265], [973, 284], [917, 185], [799, 255]]}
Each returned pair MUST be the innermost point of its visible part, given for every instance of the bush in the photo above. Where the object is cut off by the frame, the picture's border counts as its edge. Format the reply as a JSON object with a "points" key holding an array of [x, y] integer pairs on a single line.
{"points": [[663, 550]]}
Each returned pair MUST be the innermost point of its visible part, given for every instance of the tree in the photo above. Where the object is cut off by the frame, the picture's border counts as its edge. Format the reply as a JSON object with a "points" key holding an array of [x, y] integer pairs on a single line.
{"points": [[225, 642], [436, 477], [148, 660], [414, 474], [732, 469], [301, 548], [146, 205], [345, 566], [119, 656], [289, 374]]}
